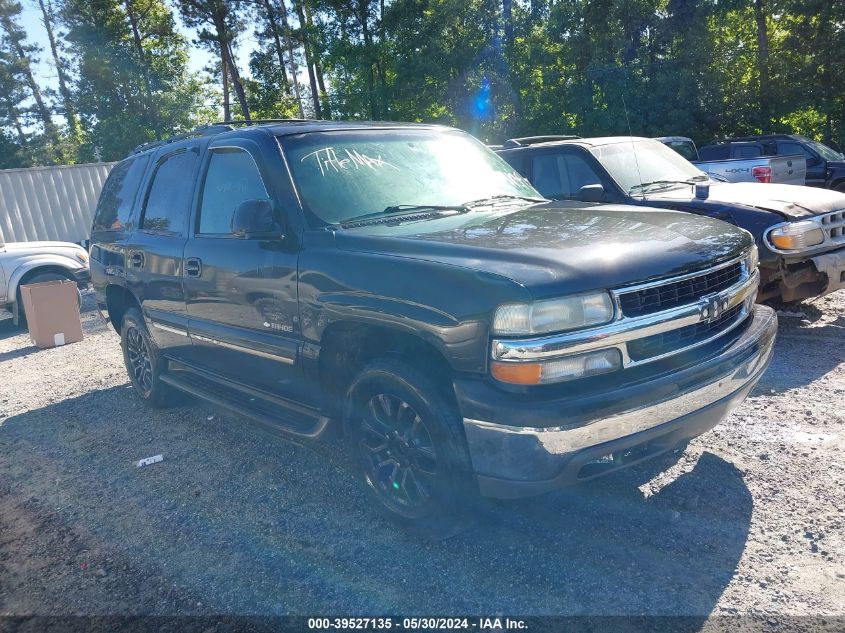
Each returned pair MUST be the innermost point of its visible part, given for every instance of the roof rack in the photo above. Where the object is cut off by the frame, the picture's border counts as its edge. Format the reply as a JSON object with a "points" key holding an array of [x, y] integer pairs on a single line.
{"points": [[209, 130], [203, 130], [534, 140], [262, 121]]}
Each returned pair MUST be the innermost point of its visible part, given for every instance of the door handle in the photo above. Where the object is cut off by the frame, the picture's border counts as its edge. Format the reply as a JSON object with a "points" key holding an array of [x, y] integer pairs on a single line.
{"points": [[193, 267], [136, 260]]}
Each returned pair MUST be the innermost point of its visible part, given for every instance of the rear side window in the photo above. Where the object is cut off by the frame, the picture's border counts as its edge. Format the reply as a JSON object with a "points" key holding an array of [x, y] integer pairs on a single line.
{"points": [[231, 179], [747, 151], [118, 195], [562, 175], [169, 196]]}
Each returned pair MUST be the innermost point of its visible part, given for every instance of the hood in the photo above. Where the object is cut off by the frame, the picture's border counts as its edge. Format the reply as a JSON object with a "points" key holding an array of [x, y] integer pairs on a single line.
{"points": [[41, 246], [562, 247], [790, 201]]}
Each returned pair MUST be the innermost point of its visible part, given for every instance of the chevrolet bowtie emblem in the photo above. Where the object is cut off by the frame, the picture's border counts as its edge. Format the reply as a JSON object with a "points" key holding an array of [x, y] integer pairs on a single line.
{"points": [[712, 307]]}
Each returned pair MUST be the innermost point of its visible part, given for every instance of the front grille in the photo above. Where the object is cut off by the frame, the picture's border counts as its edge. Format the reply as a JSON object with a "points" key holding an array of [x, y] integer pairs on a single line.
{"points": [[834, 226], [674, 340], [677, 293]]}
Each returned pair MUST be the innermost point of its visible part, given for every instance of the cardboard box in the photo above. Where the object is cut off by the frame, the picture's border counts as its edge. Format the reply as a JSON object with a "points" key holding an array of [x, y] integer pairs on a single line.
{"points": [[52, 313]]}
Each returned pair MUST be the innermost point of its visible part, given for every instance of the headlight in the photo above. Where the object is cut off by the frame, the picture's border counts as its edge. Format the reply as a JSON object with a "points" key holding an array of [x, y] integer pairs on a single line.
{"points": [[558, 369], [796, 236], [752, 260], [81, 256], [554, 315]]}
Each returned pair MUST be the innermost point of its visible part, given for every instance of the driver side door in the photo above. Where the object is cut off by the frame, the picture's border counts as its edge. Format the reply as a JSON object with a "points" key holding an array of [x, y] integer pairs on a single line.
{"points": [[240, 292]]}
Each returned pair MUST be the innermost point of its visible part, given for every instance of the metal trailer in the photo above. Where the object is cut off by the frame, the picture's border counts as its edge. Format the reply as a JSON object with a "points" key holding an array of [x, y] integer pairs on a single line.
{"points": [[50, 203]]}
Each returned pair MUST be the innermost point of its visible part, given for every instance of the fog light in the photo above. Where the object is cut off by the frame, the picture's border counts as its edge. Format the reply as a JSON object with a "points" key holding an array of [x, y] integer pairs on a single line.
{"points": [[559, 369]]}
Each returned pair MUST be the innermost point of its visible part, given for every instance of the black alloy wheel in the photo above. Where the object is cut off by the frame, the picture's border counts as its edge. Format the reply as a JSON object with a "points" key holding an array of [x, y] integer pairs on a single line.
{"points": [[400, 460]]}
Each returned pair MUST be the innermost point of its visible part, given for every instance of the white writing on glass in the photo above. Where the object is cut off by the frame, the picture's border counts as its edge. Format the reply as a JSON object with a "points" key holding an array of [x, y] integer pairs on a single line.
{"points": [[328, 160]]}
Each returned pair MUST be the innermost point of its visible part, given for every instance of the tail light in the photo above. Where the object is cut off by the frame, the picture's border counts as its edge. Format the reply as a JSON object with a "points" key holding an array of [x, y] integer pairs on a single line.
{"points": [[762, 174]]}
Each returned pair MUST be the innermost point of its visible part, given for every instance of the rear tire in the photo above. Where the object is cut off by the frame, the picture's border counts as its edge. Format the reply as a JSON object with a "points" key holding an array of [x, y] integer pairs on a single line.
{"points": [[18, 313], [144, 362], [408, 449]]}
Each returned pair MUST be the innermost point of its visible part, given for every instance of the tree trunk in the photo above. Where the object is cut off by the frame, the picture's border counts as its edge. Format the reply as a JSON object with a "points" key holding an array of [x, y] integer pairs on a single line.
{"points": [[306, 46], [283, 12], [146, 91], [318, 69], [277, 43], [50, 128], [763, 64], [507, 17], [224, 74], [363, 20], [64, 91]]}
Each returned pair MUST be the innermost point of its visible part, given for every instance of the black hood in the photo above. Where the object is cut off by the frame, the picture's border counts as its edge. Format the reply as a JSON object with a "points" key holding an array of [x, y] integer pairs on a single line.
{"points": [[790, 201], [562, 246]]}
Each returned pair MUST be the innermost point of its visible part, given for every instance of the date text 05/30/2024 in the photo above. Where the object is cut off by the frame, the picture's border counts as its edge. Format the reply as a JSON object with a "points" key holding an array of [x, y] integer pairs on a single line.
{"points": [[421, 624]]}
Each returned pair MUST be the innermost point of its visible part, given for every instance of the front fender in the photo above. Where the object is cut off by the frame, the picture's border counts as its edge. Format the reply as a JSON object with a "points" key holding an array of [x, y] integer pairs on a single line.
{"points": [[27, 263]]}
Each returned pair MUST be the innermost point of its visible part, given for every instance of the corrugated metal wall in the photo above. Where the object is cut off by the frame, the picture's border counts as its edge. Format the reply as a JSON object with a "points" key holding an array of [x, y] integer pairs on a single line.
{"points": [[50, 203]]}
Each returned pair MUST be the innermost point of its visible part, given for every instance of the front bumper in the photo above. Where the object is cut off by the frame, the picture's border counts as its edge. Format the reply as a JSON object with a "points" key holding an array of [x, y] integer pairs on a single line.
{"points": [[82, 277], [652, 416]]}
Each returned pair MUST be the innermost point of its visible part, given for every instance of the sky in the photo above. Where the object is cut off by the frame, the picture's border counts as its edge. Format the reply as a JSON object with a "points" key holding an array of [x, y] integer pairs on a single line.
{"points": [[46, 73]]}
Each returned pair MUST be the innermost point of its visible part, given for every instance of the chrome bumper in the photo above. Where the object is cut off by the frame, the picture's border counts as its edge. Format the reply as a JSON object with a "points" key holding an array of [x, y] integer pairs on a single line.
{"points": [[522, 454]]}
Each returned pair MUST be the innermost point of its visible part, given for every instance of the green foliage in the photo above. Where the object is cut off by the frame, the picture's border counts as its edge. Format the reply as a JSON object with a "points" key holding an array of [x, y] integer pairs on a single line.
{"points": [[497, 68], [130, 90]]}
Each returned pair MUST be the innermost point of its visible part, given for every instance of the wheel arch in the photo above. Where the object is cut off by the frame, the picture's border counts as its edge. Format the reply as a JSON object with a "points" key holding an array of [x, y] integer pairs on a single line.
{"points": [[347, 346], [118, 301], [28, 270]]}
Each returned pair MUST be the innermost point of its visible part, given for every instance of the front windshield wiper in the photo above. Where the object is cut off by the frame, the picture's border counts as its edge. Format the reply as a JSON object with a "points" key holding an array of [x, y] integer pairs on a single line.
{"points": [[666, 183], [400, 210], [503, 197]]}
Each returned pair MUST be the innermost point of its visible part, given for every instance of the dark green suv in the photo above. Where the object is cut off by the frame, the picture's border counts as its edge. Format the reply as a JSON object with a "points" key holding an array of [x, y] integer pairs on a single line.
{"points": [[403, 285]]}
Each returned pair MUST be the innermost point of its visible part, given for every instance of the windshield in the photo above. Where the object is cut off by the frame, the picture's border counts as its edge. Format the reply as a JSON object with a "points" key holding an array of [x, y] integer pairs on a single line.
{"points": [[684, 148], [824, 151], [654, 163], [349, 174]]}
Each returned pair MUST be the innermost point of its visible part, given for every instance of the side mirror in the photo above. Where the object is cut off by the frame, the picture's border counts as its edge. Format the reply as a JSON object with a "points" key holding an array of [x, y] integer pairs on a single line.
{"points": [[591, 193], [812, 162], [254, 219]]}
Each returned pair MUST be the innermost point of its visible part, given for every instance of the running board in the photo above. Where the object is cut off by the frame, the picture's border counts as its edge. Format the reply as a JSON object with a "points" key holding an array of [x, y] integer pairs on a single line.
{"points": [[271, 412]]}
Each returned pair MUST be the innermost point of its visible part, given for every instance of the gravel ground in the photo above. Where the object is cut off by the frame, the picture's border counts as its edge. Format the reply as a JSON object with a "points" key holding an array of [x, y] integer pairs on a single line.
{"points": [[233, 521]]}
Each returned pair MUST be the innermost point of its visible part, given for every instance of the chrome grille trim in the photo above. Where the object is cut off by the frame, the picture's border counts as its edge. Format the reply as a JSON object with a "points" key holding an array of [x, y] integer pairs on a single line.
{"points": [[625, 329], [833, 225]]}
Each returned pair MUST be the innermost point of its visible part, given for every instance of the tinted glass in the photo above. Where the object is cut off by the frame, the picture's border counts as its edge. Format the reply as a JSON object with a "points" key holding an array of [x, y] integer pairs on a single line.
{"points": [[747, 151], [562, 175], [232, 178], [118, 194], [785, 149], [169, 196], [684, 148], [341, 175]]}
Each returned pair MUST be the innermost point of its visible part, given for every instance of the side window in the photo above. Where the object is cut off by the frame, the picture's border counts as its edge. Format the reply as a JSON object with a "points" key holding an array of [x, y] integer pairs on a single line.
{"points": [[562, 175], [118, 194], [747, 151], [232, 178], [785, 149], [169, 195]]}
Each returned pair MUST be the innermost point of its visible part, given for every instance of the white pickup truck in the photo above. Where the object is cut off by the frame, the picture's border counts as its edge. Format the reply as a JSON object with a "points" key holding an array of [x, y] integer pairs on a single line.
{"points": [[742, 162], [34, 262]]}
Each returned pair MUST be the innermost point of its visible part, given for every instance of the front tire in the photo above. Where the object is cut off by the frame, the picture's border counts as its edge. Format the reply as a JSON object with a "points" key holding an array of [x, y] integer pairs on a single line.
{"points": [[144, 362], [408, 448]]}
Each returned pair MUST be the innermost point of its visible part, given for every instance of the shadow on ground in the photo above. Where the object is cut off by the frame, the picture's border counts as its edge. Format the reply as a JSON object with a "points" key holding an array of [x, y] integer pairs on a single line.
{"points": [[244, 523]]}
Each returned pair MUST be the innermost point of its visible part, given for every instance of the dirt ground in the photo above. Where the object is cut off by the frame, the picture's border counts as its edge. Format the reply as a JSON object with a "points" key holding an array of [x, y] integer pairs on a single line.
{"points": [[748, 522]]}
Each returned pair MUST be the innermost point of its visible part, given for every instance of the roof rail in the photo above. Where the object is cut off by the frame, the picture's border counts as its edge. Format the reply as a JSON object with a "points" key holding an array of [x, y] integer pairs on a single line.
{"points": [[534, 140], [211, 129], [203, 130], [261, 121]]}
